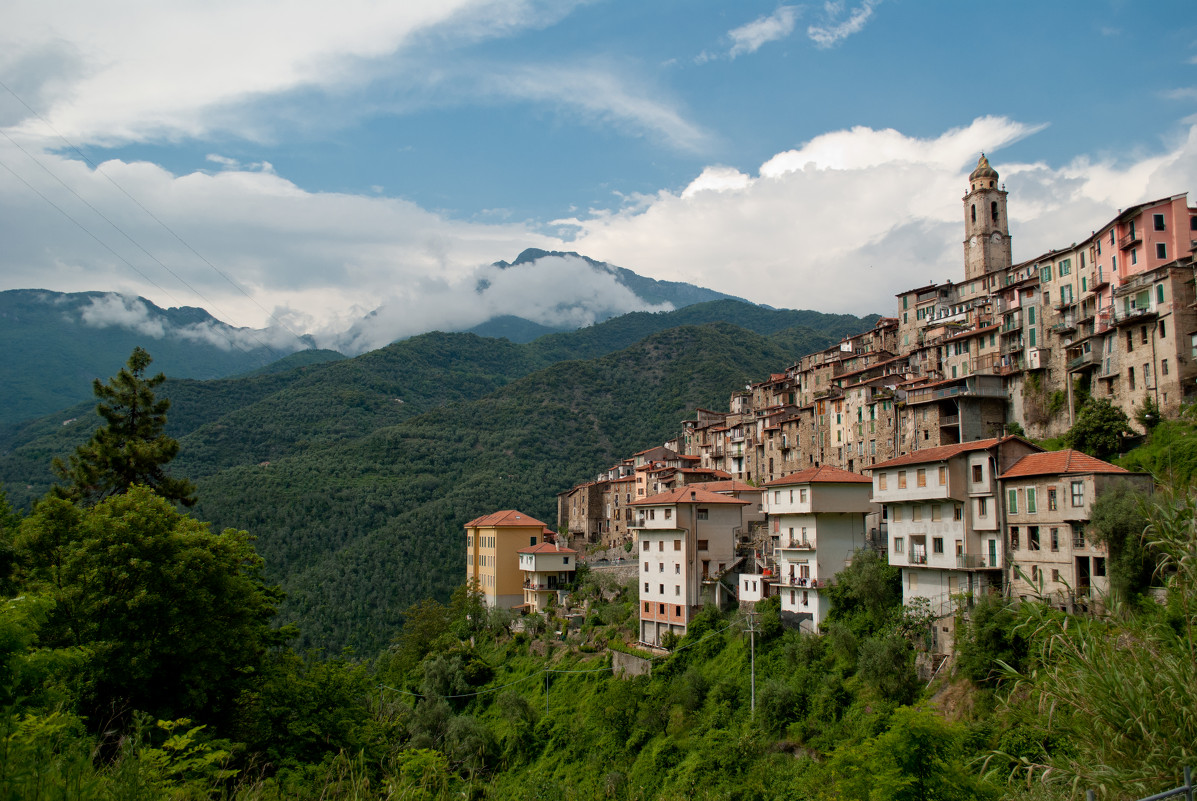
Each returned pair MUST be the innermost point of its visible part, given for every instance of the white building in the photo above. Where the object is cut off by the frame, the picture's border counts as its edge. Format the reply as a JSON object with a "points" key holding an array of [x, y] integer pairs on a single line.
{"points": [[817, 521], [548, 569], [945, 521], [685, 542]]}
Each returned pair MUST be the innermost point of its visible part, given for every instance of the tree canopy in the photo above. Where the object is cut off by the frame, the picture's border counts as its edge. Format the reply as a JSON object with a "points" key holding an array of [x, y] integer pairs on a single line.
{"points": [[1098, 429], [131, 448]]}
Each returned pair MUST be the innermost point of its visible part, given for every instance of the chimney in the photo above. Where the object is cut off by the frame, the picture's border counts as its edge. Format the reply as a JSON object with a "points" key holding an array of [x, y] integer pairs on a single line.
{"points": [[693, 495]]}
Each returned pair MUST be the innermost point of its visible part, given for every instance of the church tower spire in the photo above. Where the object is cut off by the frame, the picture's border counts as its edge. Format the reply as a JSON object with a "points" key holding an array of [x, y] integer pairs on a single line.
{"points": [[986, 229]]}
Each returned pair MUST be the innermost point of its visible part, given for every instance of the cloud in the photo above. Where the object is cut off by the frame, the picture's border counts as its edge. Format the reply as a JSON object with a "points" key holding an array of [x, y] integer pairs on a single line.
{"points": [[853, 217], [836, 27], [750, 37], [554, 291], [841, 224], [1183, 93], [126, 72], [116, 311]]}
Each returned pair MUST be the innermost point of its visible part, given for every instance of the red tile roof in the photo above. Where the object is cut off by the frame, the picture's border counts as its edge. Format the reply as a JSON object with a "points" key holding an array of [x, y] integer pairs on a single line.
{"points": [[688, 494], [547, 547], [940, 454], [724, 486], [1059, 462], [824, 474], [506, 518]]}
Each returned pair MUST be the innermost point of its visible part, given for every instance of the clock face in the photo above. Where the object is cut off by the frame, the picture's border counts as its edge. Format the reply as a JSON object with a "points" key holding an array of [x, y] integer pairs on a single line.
{"points": [[973, 242], [996, 237]]}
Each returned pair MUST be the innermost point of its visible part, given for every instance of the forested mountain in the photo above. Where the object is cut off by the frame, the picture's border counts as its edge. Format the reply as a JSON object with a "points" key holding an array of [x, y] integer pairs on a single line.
{"points": [[357, 475], [56, 343], [359, 530]]}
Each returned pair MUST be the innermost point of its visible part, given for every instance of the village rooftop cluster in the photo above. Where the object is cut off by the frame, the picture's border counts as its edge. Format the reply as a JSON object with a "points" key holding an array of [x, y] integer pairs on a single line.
{"points": [[772, 496]]}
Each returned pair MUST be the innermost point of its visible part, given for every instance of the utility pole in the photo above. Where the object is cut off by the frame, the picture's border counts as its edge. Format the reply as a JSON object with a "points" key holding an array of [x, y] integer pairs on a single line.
{"points": [[752, 680]]}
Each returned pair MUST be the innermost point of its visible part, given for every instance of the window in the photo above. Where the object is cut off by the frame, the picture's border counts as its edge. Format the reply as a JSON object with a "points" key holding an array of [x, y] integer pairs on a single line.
{"points": [[1014, 538], [936, 514], [1078, 494], [660, 567], [1032, 501], [982, 507], [916, 512], [1163, 328], [1051, 499], [662, 608], [1099, 566], [957, 512], [646, 545], [881, 481], [1164, 367], [702, 545], [1161, 250], [943, 475], [978, 474], [702, 514], [1143, 330], [937, 545], [901, 479], [646, 586], [1045, 273], [922, 477], [668, 513], [652, 514], [897, 513], [1130, 377], [677, 569], [1065, 267], [1158, 222], [677, 589], [662, 586], [661, 545], [1034, 572], [646, 567], [802, 496], [1055, 539], [1033, 538], [1012, 502], [899, 544], [677, 610]]}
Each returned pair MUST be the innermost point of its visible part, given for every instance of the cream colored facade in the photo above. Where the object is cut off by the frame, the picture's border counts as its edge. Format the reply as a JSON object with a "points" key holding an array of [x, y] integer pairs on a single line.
{"points": [[548, 570], [492, 555]]}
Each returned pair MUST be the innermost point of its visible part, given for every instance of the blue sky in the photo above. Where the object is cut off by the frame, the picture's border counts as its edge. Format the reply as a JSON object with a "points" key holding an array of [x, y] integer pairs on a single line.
{"points": [[325, 162]]}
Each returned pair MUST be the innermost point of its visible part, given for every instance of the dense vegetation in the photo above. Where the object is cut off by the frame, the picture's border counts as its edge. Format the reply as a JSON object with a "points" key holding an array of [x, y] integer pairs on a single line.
{"points": [[139, 660], [356, 476]]}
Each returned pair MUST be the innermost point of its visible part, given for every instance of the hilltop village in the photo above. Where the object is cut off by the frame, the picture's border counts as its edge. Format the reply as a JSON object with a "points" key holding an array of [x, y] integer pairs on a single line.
{"points": [[912, 439]]}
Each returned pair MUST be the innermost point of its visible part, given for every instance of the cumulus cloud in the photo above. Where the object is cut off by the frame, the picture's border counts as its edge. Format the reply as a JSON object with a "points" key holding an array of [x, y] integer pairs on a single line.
{"points": [[752, 36], [852, 217], [554, 291], [836, 26], [117, 311]]}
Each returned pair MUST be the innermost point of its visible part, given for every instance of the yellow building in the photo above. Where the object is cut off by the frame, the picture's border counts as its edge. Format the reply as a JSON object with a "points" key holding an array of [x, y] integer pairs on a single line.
{"points": [[492, 554]]}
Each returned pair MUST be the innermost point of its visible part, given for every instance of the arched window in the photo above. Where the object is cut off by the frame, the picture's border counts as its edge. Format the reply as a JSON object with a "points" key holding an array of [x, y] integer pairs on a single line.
{"points": [[993, 210], [974, 212]]}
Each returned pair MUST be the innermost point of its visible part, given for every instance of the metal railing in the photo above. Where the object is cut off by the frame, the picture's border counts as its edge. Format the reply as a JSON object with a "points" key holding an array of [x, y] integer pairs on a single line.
{"points": [[1186, 790]]}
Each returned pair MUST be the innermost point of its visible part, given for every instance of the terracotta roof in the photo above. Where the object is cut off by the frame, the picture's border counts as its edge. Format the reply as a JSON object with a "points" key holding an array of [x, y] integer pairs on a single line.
{"points": [[1059, 462], [710, 471], [825, 474], [729, 485], [686, 495], [940, 454], [546, 547], [506, 518]]}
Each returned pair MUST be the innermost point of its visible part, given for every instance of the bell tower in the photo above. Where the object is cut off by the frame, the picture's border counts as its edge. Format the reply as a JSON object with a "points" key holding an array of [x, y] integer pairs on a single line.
{"points": [[986, 229]]}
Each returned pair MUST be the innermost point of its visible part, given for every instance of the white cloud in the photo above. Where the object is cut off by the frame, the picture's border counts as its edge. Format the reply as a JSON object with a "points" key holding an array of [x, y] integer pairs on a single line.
{"points": [[129, 71], [835, 27], [840, 223], [116, 311], [853, 217], [752, 36], [555, 291]]}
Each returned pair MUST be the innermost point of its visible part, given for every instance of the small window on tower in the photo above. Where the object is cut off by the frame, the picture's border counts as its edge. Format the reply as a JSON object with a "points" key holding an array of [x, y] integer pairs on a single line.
{"points": [[993, 211]]}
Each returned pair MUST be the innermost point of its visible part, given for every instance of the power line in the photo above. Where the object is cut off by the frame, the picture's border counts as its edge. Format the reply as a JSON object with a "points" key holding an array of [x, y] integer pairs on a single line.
{"points": [[152, 216]]}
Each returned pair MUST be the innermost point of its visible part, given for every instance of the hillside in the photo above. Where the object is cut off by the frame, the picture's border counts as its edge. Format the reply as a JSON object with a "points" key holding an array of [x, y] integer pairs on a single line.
{"points": [[268, 415], [357, 531], [59, 342]]}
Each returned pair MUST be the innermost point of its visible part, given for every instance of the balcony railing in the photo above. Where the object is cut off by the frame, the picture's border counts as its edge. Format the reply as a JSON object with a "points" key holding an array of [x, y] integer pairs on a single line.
{"points": [[949, 420], [1127, 240], [972, 560], [800, 581], [918, 558], [800, 545], [1085, 360]]}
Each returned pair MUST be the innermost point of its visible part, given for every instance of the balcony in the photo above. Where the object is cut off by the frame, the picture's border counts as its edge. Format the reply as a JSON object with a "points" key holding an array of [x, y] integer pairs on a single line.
{"points": [[800, 581], [1067, 324], [972, 561], [1084, 361], [798, 545], [1012, 346], [949, 420], [1127, 240], [1130, 316], [1100, 279]]}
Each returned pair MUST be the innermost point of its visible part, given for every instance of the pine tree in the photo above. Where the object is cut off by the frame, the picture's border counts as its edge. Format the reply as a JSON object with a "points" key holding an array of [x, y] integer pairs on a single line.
{"points": [[131, 448]]}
